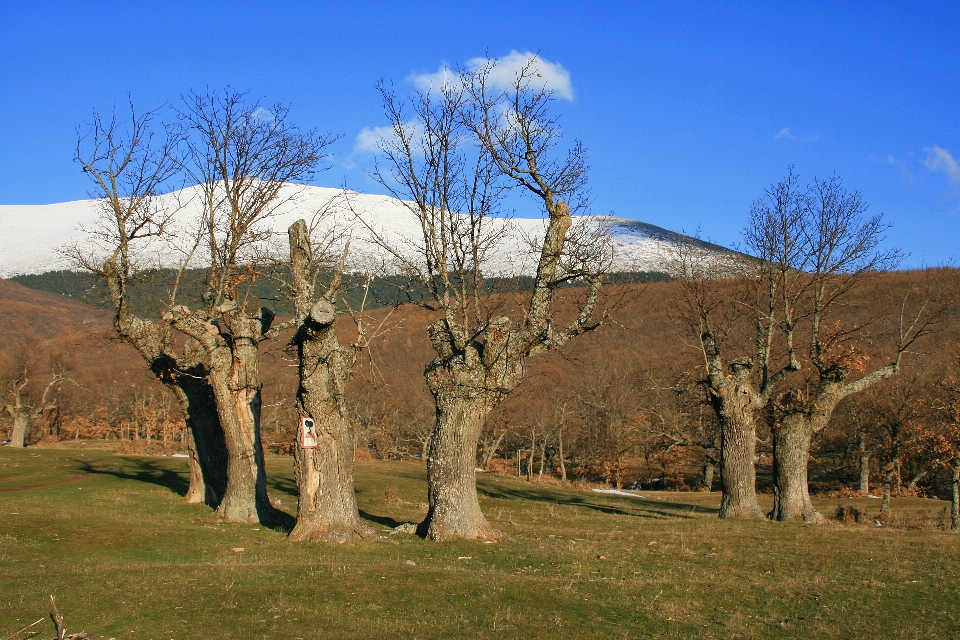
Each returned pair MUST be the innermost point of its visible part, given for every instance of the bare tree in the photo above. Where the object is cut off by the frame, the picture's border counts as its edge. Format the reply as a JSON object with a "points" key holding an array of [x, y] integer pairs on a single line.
{"points": [[132, 165], [327, 506], [711, 307], [451, 181], [839, 248], [242, 156], [19, 405], [811, 248]]}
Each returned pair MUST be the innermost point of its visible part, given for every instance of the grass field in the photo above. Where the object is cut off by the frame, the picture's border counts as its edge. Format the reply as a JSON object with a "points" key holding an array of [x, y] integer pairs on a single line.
{"points": [[108, 537]]}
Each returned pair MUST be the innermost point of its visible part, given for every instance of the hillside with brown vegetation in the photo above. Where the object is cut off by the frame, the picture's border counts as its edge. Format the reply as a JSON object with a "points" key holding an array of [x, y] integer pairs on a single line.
{"points": [[622, 403]]}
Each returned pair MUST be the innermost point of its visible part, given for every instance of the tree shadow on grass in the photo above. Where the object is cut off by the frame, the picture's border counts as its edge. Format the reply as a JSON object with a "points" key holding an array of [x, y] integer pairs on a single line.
{"points": [[637, 507], [149, 471], [381, 520], [143, 471]]}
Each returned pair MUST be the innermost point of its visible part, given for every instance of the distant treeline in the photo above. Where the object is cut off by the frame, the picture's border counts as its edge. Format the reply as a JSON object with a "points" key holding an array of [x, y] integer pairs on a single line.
{"points": [[152, 288]]}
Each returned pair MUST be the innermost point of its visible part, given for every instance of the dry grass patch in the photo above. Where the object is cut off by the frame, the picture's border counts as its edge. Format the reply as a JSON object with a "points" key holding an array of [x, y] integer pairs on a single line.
{"points": [[126, 559]]}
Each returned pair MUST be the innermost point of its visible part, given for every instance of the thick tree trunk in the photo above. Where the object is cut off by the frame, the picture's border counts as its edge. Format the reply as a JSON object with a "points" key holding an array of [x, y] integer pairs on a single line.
{"points": [[738, 475], [205, 441], [327, 505], [791, 495], [454, 510], [21, 424], [236, 388]]}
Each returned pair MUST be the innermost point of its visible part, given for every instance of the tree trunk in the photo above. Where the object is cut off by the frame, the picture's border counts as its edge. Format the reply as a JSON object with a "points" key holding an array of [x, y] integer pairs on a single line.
{"points": [[533, 456], [563, 466], [21, 424], [491, 450], [706, 482], [543, 458], [912, 485], [891, 470], [327, 505], [955, 493], [738, 475], [454, 510], [204, 438], [864, 467], [236, 389], [791, 495]]}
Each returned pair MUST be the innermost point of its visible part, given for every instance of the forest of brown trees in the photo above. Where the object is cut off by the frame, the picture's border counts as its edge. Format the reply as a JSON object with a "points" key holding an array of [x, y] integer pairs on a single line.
{"points": [[627, 411]]}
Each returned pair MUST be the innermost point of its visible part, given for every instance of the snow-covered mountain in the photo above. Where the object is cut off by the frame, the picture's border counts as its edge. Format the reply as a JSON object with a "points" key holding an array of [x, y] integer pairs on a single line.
{"points": [[33, 237]]}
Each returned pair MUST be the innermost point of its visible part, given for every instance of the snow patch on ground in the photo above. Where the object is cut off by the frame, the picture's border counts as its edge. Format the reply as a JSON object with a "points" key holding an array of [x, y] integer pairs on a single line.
{"points": [[617, 492]]}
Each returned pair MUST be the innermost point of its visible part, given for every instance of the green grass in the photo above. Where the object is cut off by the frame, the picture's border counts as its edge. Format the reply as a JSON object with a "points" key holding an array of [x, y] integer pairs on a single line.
{"points": [[108, 537]]}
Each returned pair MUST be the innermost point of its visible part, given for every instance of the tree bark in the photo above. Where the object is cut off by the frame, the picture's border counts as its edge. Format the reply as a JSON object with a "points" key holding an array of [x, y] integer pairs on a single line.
{"points": [[327, 505], [706, 481], [735, 403], [738, 474], [21, 424], [205, 441], [887, 487], [798, 418], [454, 510], [864, 466], [791, 494], [236, 388], [187, 380]]}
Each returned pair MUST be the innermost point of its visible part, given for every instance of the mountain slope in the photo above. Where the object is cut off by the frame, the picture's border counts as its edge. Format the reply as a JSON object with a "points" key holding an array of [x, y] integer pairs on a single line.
{"points": [[34, 237]]}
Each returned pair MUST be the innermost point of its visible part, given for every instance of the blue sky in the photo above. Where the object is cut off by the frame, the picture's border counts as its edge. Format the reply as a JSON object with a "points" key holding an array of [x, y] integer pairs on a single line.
{"points": [[688, 109]]}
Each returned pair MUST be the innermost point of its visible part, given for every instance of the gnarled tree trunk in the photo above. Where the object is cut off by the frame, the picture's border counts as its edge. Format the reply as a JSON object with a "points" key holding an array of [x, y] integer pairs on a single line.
{"points": [[738, 473], [791, 495], [231, 351], [798, 417], [208, 450], [454, 510], [187, 380], [236, 388], [327, 506]]}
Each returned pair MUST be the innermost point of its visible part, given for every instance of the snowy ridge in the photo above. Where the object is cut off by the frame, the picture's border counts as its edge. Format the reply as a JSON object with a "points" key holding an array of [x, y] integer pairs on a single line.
{"points": [[33, 237]]}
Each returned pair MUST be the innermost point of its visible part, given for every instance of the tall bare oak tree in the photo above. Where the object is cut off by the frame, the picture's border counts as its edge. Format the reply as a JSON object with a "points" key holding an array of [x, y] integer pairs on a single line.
{"points": [[450, 162]]}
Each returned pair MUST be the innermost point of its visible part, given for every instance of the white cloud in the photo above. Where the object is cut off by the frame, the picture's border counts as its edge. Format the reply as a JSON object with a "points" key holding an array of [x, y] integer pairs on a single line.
{"points": [[902, 168], [787, 134], [427, 82], [939, 159], [370, 138], [549, 75], [263, 114]]}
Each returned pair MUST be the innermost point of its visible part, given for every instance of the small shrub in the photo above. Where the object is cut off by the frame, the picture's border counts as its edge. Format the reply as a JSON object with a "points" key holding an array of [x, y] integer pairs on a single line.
{"points": [[850, 515]]}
